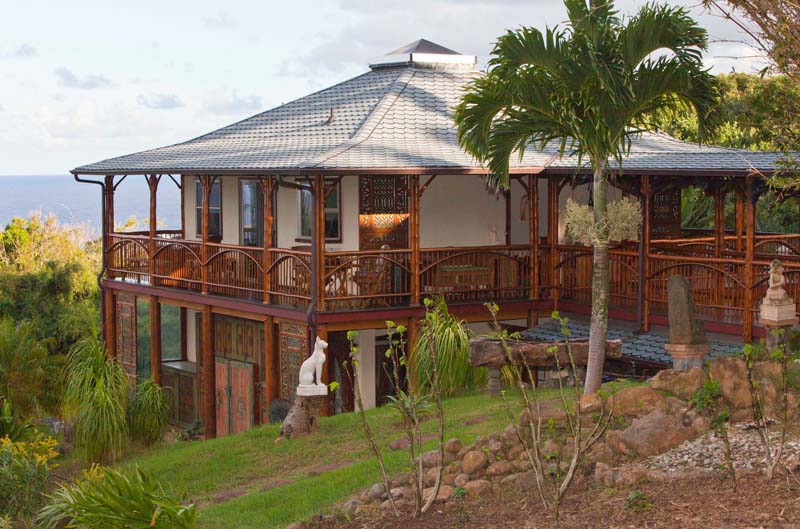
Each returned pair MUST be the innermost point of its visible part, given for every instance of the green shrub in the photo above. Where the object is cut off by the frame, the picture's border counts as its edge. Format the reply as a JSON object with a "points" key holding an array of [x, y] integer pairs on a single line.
{"points": [[95, 397], [148, 411], [15, 428], [108, 499], [24, 469], [450, 338]]}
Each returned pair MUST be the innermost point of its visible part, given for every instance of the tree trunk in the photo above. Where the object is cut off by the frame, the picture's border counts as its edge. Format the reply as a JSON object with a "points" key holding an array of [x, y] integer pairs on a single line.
{"points": [[599, 321]]}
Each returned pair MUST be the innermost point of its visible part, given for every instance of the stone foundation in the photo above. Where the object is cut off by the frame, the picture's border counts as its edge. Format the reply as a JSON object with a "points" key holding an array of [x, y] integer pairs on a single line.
{"points": [[687, 356]]}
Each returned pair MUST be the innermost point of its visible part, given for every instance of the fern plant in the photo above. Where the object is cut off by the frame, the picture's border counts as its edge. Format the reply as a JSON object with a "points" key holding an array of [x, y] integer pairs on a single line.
{"points": [[148, 411], [450, 339], [95, 397], [108, 499]]}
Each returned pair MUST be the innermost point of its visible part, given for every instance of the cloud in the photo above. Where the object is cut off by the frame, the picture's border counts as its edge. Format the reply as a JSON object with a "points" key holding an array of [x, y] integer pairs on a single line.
{"points": [[220, 21], [23, 51], [231, 103], [69, 79], [159, 101]]}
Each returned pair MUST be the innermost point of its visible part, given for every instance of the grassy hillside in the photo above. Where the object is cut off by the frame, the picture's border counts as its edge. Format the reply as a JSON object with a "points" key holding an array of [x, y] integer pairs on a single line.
{"points": [[250, 481]]}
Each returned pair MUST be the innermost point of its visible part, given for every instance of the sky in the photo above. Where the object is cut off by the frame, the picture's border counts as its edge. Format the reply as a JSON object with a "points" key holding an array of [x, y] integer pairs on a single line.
{"points": [[85, 80]]}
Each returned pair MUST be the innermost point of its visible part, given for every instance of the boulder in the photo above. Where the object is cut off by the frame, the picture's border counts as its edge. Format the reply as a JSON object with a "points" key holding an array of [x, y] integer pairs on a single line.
{"points": [[591, 403], [731, 373], [430, 477], [623, 476], [655, 433], [683, 384], [461, 480], [402, 492], [770, 369], [401, 480], [501, 468], [477, 487], [445, 491], [637, 401], [350, 507], [400, 443], [453, 446], [474, 461], [377, 491], [430, 459], [675, 406], [515, 451]]}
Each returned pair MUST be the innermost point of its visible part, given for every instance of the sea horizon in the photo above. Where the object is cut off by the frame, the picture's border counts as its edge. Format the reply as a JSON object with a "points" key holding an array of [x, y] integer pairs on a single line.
{"points": [[74, 202]]}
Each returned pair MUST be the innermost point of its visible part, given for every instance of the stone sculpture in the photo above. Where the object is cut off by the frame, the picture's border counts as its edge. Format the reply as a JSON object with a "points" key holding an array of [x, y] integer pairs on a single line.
{"points": [[687, 345], [312, 395], [778, 310]]}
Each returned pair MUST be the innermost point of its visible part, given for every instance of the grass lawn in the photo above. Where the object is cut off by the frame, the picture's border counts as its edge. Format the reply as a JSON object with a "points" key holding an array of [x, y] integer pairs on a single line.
{"points": [[250, 481]]}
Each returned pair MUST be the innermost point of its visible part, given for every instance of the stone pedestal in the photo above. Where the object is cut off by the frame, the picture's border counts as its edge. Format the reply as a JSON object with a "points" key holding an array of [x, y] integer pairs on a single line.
{"points": [[687, 356], [303, 417], [781, 320], [494, 384]]}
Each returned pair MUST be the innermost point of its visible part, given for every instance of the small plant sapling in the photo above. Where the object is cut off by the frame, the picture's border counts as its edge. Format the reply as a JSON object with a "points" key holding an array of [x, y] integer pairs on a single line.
{"points": [[554, 453], [352, 337], [708, 400]]}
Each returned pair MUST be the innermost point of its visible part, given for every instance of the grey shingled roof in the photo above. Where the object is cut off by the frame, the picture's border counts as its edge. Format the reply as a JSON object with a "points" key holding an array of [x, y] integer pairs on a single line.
{"points": [[389, 117]]}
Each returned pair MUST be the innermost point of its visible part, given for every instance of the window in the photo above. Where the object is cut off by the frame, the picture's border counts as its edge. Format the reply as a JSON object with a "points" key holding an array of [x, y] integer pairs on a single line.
{"points": [[252, 211], [214, 209], [333, 218]]}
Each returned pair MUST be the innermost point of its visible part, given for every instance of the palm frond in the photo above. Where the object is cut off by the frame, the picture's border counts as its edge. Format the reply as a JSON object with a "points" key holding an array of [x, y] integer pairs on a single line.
{"points": [[662, 26]]}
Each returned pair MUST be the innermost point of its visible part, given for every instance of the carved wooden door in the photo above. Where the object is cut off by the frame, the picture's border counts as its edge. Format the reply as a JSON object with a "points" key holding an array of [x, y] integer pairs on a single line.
{"points": [[221, 370], [241, 396], [383, 212]]}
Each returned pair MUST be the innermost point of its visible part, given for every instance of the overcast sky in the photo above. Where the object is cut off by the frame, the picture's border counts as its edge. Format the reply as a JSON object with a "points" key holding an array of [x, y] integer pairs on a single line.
{"points": [[84, 80]]}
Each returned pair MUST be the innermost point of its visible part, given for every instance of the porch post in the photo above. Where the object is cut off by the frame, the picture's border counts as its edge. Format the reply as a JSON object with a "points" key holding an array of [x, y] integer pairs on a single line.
{"points": [[739, 221], [109, 220], [413, 217], [271, 368], [206, 182], [644, 252], [552, 235], [209, 377], [749, 254], [533, 229], [719, 221], [318, 242], [152, 183], [155, 339], [267, 188]]}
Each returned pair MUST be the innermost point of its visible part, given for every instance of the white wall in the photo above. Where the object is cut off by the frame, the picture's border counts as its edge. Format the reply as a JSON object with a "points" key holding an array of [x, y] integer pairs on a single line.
{"points": [[457, 210], [366, 367]]}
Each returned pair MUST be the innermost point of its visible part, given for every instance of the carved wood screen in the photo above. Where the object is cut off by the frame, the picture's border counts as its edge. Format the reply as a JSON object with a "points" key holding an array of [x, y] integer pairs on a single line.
{"points": [[383, 212], [293, 339], [126, 333], [666, 214]]}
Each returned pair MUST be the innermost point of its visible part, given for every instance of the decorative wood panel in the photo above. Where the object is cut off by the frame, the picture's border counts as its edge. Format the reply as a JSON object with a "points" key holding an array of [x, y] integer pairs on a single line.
{"points": [[181, 378], [238, 339], [126, 333], [223, 397], [293, 341], [666, 214], [383, 212]]}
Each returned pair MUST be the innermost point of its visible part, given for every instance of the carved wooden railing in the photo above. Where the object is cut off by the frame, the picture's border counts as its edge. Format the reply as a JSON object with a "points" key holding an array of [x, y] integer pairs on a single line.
{"points": [[486, 273], [573, 279], [289, 274], [356, 280]]}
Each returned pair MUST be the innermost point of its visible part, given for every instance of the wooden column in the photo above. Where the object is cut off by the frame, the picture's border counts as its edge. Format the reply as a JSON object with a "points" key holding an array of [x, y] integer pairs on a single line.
{"points": [[267, 188], [507, 197], [533, 234], [152, 183], [209, 375], [646, 197], [272, 387], [739, 222], [155, 339], [749, 254], [413, 222], [412, 335], [108, 221], [719, 222], [205, 184], [552, 235], [184, 337], [327, 410], [318, 241], [110, 327]]}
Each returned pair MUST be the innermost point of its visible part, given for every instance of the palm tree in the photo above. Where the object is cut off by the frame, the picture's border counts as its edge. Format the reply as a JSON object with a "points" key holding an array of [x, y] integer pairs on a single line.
{"points": [[589, 88]]}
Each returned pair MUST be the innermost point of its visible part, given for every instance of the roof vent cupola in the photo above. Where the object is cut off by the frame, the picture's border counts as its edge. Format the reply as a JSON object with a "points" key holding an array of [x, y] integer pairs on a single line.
{"points": [[426, 54]]}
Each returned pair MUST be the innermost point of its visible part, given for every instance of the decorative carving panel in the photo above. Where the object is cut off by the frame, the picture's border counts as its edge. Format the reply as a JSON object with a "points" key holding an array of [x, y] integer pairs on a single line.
{"points": [[383, 212], [293, 339], [666, 214], [126, 333]]}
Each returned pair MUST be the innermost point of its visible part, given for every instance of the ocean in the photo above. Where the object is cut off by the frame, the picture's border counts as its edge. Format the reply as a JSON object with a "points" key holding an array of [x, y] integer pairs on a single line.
{"points": [[74, 202]]}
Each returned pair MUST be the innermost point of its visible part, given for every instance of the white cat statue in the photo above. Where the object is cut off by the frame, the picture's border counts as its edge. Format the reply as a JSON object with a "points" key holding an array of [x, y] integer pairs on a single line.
{"points": [[311, 369]]}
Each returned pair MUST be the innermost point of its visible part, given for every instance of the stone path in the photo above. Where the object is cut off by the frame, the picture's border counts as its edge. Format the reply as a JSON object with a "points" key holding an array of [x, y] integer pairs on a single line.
{"points": [[707, 452]]}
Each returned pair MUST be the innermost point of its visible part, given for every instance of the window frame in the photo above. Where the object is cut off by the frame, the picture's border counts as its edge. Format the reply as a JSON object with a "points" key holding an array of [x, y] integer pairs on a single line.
{"points": [[198, 188], [338, 210]]}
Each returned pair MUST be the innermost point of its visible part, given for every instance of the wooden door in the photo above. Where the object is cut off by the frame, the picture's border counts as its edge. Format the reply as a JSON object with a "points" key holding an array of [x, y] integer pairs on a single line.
{"points": [[383, 212], [340, 368], [222, 368], [241, 396]]}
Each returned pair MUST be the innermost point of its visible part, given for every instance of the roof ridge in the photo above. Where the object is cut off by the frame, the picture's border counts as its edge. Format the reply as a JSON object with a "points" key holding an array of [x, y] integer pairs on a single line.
{"points": [[372, 121]]}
